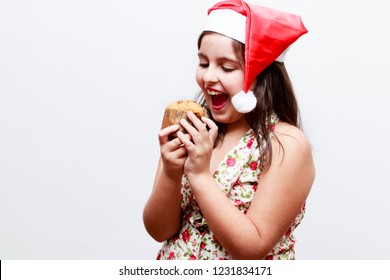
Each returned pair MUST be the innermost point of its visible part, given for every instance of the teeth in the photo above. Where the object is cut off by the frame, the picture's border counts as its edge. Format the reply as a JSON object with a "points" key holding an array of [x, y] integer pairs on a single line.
{"points": [[213, 92]]}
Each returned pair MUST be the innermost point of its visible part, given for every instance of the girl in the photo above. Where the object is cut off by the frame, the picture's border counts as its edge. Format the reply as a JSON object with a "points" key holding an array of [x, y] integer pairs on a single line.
{"points": [[235, 186]]}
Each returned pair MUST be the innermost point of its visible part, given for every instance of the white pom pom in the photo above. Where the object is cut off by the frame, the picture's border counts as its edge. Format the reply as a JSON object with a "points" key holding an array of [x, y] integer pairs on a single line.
{"points": [[244, 102]]}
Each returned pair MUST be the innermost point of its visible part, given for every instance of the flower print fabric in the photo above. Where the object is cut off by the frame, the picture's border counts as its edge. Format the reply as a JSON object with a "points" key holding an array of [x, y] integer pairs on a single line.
{"points": [[237, 175]]}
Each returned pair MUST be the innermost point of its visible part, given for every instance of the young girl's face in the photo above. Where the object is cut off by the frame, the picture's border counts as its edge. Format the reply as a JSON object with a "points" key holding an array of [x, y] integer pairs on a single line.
{"points": [[220, 75]]}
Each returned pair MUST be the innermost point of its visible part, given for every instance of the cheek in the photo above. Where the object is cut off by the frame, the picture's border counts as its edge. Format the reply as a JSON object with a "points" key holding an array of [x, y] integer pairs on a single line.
{"points": [[237, 82], [199, 77]]}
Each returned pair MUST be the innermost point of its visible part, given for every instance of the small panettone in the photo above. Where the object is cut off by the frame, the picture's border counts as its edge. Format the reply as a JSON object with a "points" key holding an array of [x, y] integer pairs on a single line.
{"points": [[178, 110]]}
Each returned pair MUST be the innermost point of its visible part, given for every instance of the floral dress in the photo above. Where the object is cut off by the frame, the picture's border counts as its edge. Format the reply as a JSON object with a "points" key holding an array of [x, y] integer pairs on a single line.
{"points": [[237, 175]]}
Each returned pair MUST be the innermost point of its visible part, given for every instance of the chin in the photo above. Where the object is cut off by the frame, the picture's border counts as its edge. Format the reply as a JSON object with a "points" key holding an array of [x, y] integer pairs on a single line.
{"points": [[227, 119]]}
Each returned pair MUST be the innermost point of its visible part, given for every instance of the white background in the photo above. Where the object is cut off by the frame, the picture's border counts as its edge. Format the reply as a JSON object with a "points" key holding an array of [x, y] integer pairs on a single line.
{"points": [[83, 86]]}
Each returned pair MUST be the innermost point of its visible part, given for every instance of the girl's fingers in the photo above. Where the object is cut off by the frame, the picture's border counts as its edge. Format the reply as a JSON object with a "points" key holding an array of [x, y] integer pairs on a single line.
{"points": [[171, 146], [201, 130], [165, 132], [197, 130], [187, 143], [198, 124], [213, 128], [175, 147], [179, 153]]}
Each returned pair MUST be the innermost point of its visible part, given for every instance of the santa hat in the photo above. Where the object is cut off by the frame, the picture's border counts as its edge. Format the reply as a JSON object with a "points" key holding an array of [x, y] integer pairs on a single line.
{"points": [[266, 33]]}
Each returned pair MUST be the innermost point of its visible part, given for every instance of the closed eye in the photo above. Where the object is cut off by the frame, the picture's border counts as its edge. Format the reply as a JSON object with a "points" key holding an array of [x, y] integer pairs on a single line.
{"points": [[228, 69]]}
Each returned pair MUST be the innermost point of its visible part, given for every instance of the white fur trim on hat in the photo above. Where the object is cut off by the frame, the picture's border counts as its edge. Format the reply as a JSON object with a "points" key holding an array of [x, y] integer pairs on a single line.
{"points": [[244, 102], [231, 24], [227, 22], [282, 57]]}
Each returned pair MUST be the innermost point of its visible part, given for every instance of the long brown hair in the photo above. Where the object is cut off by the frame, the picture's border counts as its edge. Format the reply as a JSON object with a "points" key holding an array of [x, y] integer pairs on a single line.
{"points": [[274, 93]]}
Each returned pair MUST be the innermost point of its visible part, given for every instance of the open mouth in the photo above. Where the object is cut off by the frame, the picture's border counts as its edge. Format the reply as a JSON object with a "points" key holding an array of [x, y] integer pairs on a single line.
{"points": [[218, 100]]}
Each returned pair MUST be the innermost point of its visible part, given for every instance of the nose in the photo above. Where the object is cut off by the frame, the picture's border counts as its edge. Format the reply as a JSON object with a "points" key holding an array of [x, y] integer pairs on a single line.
{"points": [[210, 76]]}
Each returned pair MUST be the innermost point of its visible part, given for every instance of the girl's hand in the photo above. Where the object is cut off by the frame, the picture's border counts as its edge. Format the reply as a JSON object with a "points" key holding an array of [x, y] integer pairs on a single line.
{"points": [[173, 153], [200, 148]]}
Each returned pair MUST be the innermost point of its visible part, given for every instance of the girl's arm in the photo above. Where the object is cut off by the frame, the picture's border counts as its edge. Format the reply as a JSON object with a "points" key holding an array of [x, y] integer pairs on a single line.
{"points": [[281, 193], [162, 212]]}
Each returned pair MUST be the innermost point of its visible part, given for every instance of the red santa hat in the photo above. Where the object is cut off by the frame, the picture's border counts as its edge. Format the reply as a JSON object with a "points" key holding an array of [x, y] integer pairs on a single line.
{"points": [[267, 34]]}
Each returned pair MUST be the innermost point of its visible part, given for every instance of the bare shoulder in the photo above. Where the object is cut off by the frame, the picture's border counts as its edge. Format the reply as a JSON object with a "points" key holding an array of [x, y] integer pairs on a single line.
{"points": [[291, 141], [292, 154]]}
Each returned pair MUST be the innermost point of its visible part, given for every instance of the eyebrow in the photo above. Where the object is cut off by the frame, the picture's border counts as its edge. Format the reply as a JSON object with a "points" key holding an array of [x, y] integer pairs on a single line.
{"points": [[222, 59]]}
